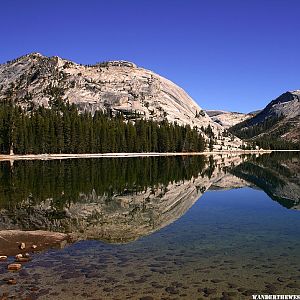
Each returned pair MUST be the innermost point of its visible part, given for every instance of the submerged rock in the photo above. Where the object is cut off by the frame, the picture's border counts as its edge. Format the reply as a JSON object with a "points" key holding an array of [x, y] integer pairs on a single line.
{"points": [[14, 267], [45, 239]]}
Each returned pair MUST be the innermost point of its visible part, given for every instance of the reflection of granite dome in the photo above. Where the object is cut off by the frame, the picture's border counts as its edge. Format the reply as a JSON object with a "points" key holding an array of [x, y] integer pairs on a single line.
{"points": [[127, 217], [119, 217], [129, 214]]}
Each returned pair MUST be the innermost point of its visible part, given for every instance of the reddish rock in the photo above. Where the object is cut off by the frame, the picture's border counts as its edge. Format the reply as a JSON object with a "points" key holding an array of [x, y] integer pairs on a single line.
{"points": [[12, 281], [23, 259], [14, 267]]}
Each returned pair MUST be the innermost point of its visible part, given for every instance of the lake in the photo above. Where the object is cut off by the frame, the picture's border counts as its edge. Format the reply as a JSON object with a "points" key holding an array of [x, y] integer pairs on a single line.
{"points": [[216, 227]]}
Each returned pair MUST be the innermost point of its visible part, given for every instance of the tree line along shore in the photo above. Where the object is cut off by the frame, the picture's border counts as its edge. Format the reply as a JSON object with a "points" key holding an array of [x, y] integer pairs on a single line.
{"points": [[62, 129], [39, 132]]}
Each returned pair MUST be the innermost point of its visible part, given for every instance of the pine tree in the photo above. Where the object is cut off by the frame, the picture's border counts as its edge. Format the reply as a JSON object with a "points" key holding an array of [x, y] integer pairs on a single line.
{"points": [[62, 129]]}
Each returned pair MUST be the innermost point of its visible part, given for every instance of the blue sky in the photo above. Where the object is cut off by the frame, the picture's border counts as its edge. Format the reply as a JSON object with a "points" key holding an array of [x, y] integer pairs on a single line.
{"points": [[227, 54]]}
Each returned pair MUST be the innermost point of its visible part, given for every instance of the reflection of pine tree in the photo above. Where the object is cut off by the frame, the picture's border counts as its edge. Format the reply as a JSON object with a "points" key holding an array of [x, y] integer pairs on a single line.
{"points": [[66, 181], [211, 144]]}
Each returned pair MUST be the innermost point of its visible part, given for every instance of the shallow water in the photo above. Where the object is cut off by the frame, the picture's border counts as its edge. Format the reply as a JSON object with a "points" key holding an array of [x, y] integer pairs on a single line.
{"points": [[228, 242]]}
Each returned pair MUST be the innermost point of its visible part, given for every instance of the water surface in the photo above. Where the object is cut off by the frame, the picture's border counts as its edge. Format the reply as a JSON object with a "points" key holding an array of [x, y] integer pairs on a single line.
{"points": [[157, 228]]}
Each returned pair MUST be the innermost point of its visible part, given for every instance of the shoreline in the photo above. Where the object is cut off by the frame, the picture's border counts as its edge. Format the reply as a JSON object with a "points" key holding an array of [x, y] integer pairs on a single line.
{"points": [[11, 239], [123, 155]]}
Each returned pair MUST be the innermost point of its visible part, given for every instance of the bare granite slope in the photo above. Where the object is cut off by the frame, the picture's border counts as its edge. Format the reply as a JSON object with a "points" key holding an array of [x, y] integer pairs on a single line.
{"points": [[227, 118], [121, 86]]}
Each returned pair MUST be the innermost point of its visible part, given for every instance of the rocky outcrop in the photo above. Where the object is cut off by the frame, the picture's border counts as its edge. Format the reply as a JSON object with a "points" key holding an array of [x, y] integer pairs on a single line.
{"points": [[227, 119], [31, 241], [119, 86]]}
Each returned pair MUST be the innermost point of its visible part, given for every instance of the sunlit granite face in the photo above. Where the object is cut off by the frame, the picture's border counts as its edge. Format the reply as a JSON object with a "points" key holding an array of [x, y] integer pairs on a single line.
{"points": [[121, 200], [119, 86]]}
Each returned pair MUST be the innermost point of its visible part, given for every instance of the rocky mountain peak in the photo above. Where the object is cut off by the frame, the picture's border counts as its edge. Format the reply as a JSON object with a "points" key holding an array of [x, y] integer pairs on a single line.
{"points": [[286, 105], [279, 120], [116, 63], [34, 55], [284, 98]]}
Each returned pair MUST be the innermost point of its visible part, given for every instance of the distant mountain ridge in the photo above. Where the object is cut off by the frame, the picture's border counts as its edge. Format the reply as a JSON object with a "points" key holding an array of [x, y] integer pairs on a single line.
{"points": [[228, 119], [278, 123], [286, 105], [119, 86]]}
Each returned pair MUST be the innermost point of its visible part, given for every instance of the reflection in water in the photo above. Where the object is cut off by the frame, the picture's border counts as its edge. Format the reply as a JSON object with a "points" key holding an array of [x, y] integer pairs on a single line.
{"points": [[119, 200], [278, 174], [228, 245], [116, 200]]}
